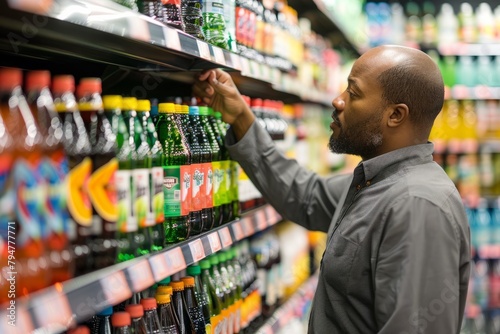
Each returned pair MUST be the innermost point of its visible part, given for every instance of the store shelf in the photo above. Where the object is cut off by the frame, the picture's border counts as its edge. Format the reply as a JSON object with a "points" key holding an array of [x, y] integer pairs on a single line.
{"points": [[115, 35], [461, 92], [470, 49], [295, 308], [58, 307]]}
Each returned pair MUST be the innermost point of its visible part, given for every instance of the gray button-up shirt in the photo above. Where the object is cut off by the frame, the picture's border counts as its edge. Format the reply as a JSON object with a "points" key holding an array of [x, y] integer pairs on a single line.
{"points": [[397, 259]]}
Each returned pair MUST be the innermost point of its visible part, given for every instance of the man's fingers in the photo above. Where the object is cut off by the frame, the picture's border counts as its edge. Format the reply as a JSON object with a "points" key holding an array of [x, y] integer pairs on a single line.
{"points": [[204, 75]]}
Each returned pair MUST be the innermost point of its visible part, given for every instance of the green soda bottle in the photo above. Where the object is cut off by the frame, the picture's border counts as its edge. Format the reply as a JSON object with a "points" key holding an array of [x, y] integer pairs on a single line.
{"points": [[230, 290], [234, 275], [125, 225], [140, 176], [155, 213], [227, 210], [214, 24], [202, 295], [221, 290], [177, 176], [217, 143], [214, 303]]}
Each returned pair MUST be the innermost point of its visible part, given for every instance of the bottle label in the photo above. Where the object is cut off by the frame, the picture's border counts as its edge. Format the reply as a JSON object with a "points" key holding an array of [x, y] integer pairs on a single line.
{"points": [[209, 185], [226, 197], [234, 180], [102, 191], [219, 183], [157, 198], [30, 201], [141, 193], [237, 316], [7, 191], [215, 324], [197, 318], [125, 222], [213, 7], [54, 172], [177, 190], [198, 191]]}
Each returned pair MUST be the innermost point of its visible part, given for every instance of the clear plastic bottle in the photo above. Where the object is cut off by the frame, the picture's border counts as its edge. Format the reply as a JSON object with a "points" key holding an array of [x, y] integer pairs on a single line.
{"points": [[121, 323], [186, 325], [193, 308], [136, 311], [192, 19], [214, 24], [151, 316], [168, 320]]}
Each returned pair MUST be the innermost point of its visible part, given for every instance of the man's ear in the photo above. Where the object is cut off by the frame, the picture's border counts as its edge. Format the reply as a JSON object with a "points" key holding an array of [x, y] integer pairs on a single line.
{"points": [[398, 114]]}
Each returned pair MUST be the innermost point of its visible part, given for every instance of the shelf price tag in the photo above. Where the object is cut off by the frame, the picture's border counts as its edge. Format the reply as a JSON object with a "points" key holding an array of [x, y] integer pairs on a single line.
{"points": [[20, 319], [175, 260], [197, 251], [235, 60], [219, 55], [225, 237], [248, 226], [115, 288], [266, 72], [245, 66], [260, 220], [172, 38], [159, 267], [460, 92], [255, 69], [237, 230], [141, 276], [204, 50], [214, 240], [483, 92], [138, 29], [271, 215]]}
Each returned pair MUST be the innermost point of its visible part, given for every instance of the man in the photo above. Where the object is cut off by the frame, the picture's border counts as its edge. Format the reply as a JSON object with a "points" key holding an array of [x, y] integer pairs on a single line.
{"points": [[397, 258]]}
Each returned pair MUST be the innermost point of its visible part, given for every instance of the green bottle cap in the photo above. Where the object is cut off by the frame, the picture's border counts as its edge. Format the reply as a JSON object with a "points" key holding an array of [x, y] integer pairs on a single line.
{"points": [[218, 115], [205, 264], [204, 111], [143, 105], [214, 260], [112, 102], [193, 270], [222, 257], [211, 111], [230, 254], [165, 281]]}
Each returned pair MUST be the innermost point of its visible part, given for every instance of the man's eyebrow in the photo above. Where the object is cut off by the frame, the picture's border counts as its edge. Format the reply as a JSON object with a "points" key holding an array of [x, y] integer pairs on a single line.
{"points": [[353, 83]]}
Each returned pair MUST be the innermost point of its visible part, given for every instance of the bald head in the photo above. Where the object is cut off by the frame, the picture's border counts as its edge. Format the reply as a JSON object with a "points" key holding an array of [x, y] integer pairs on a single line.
{"points": [[410, 77]]}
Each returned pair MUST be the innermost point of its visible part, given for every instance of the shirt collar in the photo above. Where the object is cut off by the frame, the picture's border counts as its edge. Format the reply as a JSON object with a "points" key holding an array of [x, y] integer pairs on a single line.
{"points": [[386, 164]]}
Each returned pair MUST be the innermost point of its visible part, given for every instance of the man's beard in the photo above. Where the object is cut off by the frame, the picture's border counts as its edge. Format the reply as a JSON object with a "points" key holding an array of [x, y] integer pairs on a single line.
{"points": [[364, 142]]}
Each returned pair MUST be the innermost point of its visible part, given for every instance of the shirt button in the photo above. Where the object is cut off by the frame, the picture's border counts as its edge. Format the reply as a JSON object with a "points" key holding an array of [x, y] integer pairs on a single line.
{"points": [[358, 187], [368, 183]]}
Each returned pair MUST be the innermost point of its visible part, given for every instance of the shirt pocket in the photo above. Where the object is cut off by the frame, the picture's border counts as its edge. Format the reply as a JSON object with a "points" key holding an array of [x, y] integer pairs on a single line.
{"points": [[337, 265]]}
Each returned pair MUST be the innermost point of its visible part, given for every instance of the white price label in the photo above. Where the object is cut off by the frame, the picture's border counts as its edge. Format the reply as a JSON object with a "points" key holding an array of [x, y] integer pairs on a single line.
{"points": [[115, 288], [204, 50], [255, 69], [214, 240], [245, 66], [219, 55], [235, 59], [238, 231], [197, 251], [175, 260], [138, 29], [248, 226], [225, 237], [141, 276], [261, 220], [172, 38], [159, 267]]}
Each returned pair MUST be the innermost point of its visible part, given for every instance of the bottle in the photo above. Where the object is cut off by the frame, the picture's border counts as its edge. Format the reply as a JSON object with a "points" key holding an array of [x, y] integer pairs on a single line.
{"points": [[151, 316], [214, 303], [230, 290], [151, 8], [193, 308], [26, 206], [467, 23], [202, 295], [234, 272], [101, 323], [172, 14], [214, 25], [168, 320], [140, 176], [125, 224], [136, 311], [230, 21], [121, 323], [156, 199], [101, 184], [447, 25], [217, 145], [185, 322], [220, 290], [177, 176], [192, 19], [205, 160], [226, 165], [163, 287], [78, 149], [79, 330], [54, 170]]}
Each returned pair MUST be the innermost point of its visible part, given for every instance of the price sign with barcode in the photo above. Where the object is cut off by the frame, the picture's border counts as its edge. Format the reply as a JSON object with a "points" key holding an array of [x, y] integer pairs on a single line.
{"points": [[261, 220], [219, 55], [238, 231], [141, 276], [159, 267], [172, 38], [175, 260], [204, 50], [22, 323], [214, 240], [115, 288], [461, 92], [225, 237], [197, 251], [248, 226]]}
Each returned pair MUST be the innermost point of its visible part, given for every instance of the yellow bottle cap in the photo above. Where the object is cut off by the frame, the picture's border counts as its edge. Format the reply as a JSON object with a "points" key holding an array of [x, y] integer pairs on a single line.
{"points": [[129, 103], [163, 299], [177, 285], [188, 281], [143, 105], [168, 108], [112, 101], [164, 289]]}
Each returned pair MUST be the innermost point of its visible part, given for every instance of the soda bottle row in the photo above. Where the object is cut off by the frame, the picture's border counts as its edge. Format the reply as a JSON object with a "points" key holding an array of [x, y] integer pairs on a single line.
{"points": [[470, 71]]}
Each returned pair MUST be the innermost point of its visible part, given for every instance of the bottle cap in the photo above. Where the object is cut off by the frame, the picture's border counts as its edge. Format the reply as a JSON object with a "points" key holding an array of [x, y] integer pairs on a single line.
{"points": [[177, 285], [194, 110], [211, 111], [143, 105], [214, 259], [163, 299], [222, 257], [205, 264], [135, 310], [148, 303], [37, 80], [204, 111], [177, 108], [184, 109], [164, 290], [188, 281], [112, 102], [120, 319], [229, 254], [256, 103], [10, 78], [217, 115], [168, 108], [79, 330], [107, 311], [63, 83], [193, 270], [165, 281], [129, 103], [89, 86]]}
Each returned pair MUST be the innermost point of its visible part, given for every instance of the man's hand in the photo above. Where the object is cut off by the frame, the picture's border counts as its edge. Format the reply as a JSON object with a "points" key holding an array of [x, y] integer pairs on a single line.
{"points": [[217, 89]]}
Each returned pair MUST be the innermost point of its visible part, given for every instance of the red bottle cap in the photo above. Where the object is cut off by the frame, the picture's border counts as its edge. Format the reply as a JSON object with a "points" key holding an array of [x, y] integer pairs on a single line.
{"points": [[10, 78], [256, 103], [120, 319], [62, 84], [135, 310], [148, 303], [89, 86], [80, 330], [37, 80]]}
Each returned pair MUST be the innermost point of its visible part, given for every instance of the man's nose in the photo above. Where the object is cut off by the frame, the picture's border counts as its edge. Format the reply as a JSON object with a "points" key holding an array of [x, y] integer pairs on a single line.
{"points": [[338, 103]]}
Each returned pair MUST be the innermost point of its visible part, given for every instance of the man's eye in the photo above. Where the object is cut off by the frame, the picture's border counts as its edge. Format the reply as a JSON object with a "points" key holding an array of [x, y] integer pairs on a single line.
{"points": [[351, 94]]}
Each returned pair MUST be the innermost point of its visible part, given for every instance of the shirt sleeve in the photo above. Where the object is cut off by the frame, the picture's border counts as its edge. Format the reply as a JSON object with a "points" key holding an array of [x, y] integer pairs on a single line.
{"points": [[296, 193], [417, 288]]}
